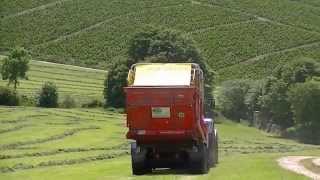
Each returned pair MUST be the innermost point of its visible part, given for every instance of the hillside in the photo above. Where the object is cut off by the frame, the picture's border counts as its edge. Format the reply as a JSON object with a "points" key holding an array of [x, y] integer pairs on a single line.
{"points": [[83, 84], [238, 38], [39, 143]]}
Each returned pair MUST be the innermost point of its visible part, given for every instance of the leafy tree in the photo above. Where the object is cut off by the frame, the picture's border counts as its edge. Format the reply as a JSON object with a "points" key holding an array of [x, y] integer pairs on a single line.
{"points": [[305, 104], [15, 66], [166, 46], [152, 45], [48, 96], [298, 71], [231, 99], [274, 101], [114, 83]]}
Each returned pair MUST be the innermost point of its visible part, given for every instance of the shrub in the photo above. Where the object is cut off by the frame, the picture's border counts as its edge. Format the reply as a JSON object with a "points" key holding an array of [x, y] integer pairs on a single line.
{"points": [[92, 104], [231, 99], [48, 96], [68, 102], [27, 101], [305, 105], [8, 97]]}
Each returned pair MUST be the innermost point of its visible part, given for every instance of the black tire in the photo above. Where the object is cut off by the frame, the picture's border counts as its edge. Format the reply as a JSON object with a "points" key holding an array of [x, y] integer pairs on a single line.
{"points": [[139, 166], [202, 165], [216, 150], [211, 151]]}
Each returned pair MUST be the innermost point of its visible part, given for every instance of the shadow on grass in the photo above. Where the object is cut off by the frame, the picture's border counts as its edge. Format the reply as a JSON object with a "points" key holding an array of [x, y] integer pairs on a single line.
{"points": [[172, 171]]}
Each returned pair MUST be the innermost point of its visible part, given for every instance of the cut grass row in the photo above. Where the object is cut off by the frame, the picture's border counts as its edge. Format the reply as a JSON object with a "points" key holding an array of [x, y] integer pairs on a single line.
{"points": [[250, 153], [81, 83]]}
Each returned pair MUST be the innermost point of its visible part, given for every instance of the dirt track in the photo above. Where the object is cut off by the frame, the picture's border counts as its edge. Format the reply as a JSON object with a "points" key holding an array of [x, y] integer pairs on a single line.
{"points": [[292, 163]]}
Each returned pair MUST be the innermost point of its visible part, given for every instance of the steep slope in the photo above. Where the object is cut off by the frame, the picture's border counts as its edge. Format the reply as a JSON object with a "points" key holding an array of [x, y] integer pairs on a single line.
{"points": [[235, 36]]}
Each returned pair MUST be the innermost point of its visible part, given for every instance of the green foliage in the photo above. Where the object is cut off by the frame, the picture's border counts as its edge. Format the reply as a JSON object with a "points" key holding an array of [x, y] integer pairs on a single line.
{"points": [[232, 98], [166, 46], [68, 102], [298, 71], [114, 83], [151, 45], [274, 101], [8, 97], [48, 96], [15, 66], [305, 104]]}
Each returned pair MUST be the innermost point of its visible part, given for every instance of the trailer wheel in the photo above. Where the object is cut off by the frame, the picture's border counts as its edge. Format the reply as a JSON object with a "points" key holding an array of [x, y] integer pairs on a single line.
{"points": [[211, 150], [138, 161], [216, 150], [201, 166]]}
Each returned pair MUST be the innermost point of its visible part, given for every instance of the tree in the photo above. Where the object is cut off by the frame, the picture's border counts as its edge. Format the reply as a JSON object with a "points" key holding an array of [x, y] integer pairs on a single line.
{"points": [[298, 71], [114, 83], [15, 66], [231, 99], [48, 96], [305, 105], [152, 45], [165, 46], [274, 100]]}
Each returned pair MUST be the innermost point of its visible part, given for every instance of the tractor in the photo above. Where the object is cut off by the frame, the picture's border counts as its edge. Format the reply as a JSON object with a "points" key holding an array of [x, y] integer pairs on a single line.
{"points": [[165, 107]]}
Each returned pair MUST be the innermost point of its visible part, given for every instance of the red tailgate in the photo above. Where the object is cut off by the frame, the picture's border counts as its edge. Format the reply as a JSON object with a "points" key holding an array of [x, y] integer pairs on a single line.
{"points": [[162, 110]]}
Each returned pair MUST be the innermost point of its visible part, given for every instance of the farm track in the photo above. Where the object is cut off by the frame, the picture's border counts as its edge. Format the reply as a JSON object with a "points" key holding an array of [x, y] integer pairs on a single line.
{"points": [[96, 25], [292, 163], [28, 11]]}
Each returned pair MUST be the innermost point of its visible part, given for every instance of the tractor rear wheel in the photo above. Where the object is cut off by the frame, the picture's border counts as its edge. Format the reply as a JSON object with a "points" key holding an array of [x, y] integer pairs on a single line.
{"points": [[211, 150], [201, 166], [216, 150], [138, 161]]}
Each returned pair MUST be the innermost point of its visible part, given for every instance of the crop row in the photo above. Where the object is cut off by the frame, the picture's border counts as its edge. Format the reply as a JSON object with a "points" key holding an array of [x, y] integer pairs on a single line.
{"points": [[9, 7], [68, 17], [110, 40], [265, 65], [225, 46], [295, 13]]}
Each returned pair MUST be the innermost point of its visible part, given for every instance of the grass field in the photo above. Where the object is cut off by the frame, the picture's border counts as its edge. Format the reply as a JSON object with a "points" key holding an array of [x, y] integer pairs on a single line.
{"points": [[37, 143], [81, 83], [234, 36]]}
